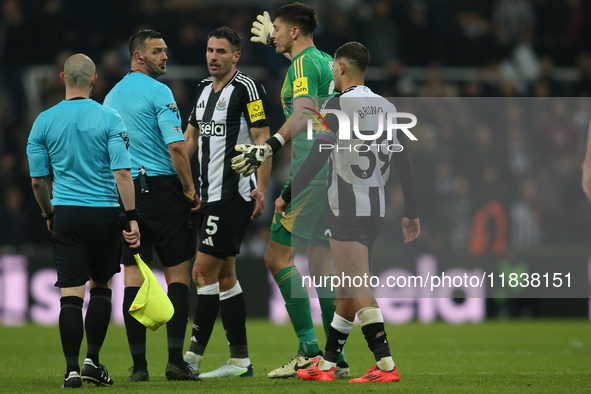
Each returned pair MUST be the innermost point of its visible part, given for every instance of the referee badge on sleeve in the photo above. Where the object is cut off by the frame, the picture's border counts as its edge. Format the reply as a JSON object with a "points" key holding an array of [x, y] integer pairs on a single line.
{"points": [[256, 111]]}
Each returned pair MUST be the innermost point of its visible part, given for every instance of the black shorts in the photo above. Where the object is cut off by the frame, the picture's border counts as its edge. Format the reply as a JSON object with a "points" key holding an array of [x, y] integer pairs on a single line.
{"points": [[362, 229], [166, 222], [86, 244], [222, 226]]}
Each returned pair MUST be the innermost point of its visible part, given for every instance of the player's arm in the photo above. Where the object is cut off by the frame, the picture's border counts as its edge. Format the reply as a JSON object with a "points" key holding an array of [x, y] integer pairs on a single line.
{"points": [[41, 191], [297, 122], [39, 169], [586, 180], [411, 227], [127, 194], [170, 126], [260, 135], [316, 159], [305, 86], [324, 144], [120, 163], [182, 166], [191, 139], [192, 132]]}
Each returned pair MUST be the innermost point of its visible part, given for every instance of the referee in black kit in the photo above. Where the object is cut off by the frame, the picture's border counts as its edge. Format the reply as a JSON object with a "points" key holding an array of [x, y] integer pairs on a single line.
{"points": [[231, 109], [165, 196]]}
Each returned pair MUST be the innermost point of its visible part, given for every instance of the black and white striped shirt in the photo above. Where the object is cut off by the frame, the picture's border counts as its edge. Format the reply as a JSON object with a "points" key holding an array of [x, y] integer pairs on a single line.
{"points": [[358, 169], [224, 119]]}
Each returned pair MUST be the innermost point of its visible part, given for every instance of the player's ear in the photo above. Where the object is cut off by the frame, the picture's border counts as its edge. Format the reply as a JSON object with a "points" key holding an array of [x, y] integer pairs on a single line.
{"points": [[236, 57], [295, 32], [343, 67], [62, 78]]}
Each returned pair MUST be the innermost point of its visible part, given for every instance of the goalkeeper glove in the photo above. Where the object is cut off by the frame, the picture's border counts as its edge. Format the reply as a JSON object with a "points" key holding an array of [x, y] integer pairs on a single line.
{"points": [[254, 156], [262, 29]]}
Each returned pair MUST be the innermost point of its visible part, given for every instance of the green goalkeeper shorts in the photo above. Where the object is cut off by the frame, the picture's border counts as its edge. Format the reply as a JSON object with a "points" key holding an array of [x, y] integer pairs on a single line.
{"points": [[306, 221]]}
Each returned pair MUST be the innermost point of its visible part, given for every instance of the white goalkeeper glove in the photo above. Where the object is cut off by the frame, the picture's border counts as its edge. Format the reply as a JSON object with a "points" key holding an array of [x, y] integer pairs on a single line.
{"points": [[262, 29], [252, 158]]}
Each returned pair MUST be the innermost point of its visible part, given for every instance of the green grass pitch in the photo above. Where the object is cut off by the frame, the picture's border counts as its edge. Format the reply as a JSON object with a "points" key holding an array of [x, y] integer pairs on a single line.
{"points": [[551, 356]]}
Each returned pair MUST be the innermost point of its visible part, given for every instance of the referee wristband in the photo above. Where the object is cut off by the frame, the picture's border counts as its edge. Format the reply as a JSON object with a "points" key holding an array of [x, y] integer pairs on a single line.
{"points": [[276, 142], [132, 215], [48, 217]]}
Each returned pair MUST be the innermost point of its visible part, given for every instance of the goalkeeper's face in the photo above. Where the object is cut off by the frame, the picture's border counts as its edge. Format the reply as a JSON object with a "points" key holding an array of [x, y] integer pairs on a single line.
{"points": [[221, 59], [282, 36]]}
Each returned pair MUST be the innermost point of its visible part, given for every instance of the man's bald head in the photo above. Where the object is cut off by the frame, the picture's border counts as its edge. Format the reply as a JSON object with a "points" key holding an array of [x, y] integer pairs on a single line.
{"points": [[79, 70]]}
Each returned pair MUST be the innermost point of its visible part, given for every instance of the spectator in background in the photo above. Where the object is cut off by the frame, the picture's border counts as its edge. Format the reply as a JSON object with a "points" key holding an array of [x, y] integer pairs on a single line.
{"points": [[417, 46], [16, 34], [582, 86], [473, 43], [52, 91], [459, 214], [513, 20], [441, 21], [110, 72], [191, 45], [14, 217], [548, 78], [381, 33], [558, 133], [525, 215], [435, 86]]}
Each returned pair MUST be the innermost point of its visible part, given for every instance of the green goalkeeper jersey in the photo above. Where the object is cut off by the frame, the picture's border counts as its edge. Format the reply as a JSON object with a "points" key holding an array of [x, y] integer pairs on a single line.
{"points": [[310, 75]]}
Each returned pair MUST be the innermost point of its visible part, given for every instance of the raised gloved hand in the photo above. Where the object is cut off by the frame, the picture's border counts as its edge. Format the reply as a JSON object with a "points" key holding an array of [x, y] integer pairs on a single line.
{"points": [[262, 29]]}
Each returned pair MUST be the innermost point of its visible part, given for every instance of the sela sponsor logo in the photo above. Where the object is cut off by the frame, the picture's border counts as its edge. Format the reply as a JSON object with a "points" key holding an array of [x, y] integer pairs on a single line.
{"points": [[344, 128], [211, 129], [174, 109], [300, 86], [256, 111]]}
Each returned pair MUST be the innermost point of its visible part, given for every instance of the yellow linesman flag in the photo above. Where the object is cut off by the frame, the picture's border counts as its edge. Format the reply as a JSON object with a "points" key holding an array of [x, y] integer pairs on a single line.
{"points": [[151, 306]]}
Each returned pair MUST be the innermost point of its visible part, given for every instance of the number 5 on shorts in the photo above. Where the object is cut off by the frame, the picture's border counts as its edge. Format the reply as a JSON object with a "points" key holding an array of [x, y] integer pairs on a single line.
{"points": [[211, 222]]}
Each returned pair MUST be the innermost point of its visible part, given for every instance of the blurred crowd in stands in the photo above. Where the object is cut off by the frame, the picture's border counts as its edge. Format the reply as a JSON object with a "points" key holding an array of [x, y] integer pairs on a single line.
{"points": [[495, 163]]}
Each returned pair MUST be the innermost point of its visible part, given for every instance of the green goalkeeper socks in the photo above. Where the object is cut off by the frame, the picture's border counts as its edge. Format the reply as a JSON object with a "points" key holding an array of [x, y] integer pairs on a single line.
{"points": [[327, 299], [297, 304]]}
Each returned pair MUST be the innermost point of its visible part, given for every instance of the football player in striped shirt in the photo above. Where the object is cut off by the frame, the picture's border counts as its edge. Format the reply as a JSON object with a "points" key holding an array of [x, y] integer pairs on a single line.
{"points": [[231, 109], [358, 172]]}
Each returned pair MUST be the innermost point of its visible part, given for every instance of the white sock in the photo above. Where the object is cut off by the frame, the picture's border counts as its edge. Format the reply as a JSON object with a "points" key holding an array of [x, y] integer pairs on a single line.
{"points": [[241, 362], [386, 364]]}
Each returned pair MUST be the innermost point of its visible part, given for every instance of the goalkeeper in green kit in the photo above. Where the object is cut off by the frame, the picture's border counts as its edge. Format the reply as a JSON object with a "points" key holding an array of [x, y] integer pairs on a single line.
{"points": [[307, 85]]}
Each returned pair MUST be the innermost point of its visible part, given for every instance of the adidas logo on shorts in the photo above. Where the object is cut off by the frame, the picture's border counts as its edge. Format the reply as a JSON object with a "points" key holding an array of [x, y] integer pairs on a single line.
{"points": [[208, 241]]}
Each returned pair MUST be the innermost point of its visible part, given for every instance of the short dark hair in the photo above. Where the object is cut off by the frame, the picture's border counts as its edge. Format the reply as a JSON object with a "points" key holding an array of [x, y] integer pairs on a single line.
{"points": [[138, 39], [356, 53], [298, 14], [233, 37]]}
